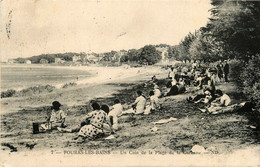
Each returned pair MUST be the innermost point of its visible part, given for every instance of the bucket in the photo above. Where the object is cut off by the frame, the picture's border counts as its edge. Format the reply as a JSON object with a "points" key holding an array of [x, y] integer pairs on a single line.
{"points": [[39, 127], [36, 127]]}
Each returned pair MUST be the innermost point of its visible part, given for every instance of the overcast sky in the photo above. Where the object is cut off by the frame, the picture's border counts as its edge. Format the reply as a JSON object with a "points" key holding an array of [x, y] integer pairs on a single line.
{"points": [[58, 26]]}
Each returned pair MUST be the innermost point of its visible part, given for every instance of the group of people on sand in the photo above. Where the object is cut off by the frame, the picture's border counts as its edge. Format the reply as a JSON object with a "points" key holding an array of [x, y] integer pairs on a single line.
{"points": [[103, 120], [204, 81]]}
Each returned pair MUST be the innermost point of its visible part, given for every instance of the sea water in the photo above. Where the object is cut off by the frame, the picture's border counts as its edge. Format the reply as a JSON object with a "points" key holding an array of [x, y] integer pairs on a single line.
{"points": [[23, 76]]}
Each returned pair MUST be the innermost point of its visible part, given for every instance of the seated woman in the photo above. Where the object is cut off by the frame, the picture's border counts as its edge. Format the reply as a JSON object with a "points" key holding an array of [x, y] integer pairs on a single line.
{"points": [[199, 80], [154, 79], [154, 103], [211, 86], [107, 125], [171, 83], [157, 91], [223, 98], [92, 125], [220, 104], [115, 112], [200, 97], [181, 86], [206, 99], [138, 106], [95, 128], [173, 91], [57, 117], [171, 73]]}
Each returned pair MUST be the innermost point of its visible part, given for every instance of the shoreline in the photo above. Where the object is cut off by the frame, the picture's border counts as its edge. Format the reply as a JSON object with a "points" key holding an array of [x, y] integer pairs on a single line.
{"points": [[93, 87], [97, 74]]}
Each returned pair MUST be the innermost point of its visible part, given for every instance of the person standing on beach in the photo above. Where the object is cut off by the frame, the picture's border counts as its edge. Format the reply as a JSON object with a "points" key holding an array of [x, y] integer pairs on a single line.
{"points": [[226, 71], [219, 71]]}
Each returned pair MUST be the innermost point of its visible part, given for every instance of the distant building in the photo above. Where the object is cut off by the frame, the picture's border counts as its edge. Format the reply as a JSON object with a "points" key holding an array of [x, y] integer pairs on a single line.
{"points": [[28, 62], [91, 58], [164, 54], [75, 58], [59, 61], [44, 61], [10, 61], [118, 55]]}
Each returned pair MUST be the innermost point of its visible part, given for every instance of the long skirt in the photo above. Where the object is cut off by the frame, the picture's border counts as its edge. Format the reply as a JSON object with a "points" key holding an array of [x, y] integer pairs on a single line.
{"points": [[90, 131]]}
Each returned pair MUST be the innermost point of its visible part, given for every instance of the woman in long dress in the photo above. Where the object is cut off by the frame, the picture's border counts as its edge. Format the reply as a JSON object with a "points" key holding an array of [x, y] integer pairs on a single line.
{"points": [[95, 124]]}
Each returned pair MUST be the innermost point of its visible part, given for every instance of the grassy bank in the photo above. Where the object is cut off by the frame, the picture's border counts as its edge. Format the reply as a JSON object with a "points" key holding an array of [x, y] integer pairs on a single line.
{"points": [[222, 133]]}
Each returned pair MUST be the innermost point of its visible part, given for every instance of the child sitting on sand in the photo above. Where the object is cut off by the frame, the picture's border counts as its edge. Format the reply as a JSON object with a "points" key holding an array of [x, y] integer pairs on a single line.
{"points": [[115, 112], [57, 117]]}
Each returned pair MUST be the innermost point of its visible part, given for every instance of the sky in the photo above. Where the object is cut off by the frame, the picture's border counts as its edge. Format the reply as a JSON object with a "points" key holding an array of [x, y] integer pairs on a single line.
{"points": [[58, 26]]}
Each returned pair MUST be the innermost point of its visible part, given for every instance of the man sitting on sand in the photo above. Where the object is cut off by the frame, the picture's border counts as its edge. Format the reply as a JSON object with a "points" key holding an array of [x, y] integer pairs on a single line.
{"points": [[138, 106]]}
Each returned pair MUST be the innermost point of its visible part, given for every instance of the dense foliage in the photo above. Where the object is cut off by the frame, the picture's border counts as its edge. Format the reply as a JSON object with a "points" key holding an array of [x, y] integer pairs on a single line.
{"points": [[145, 55], [233, 33]]}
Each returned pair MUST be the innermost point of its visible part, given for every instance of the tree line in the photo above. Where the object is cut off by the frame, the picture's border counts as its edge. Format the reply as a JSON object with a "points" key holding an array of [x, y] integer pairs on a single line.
{"points": [[232, 33], [145, 55]]}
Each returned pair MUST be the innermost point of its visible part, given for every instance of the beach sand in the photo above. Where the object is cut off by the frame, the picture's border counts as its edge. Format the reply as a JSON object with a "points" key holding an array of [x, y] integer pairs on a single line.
{"points": [[86, 89], [222, 136]]}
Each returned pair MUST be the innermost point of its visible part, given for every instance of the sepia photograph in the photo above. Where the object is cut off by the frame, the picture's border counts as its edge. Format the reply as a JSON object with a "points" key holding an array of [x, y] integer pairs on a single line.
{"points": [[130, 83]]}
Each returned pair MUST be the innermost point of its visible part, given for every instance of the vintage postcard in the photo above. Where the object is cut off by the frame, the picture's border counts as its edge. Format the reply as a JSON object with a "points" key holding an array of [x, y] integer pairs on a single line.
{"points": [[130, 83]]}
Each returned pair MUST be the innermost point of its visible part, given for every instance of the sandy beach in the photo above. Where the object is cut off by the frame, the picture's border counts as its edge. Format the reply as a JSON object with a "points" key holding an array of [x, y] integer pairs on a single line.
{"points": [[87, 89], [224, 137]]}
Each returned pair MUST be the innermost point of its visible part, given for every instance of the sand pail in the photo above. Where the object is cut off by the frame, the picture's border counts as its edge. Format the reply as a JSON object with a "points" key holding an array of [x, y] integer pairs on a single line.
{"points": [[35, 127]]}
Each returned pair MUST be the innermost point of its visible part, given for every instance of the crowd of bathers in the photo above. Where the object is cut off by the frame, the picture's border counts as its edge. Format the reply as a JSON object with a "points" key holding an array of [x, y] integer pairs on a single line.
{"points": [[104, 120]]}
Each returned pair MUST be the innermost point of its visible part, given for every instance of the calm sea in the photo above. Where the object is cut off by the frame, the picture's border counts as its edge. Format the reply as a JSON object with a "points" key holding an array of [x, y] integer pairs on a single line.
{"points": [[19, 77]]}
